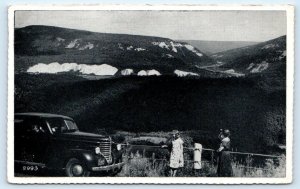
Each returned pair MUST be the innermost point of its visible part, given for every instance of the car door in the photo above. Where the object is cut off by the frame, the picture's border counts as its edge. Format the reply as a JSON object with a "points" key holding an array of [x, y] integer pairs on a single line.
{"points": [[36, 139], [20, 139]]}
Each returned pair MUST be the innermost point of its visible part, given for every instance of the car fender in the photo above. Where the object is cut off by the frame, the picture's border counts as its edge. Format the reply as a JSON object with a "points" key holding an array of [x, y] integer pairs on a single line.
{"points": [[85, 156]]}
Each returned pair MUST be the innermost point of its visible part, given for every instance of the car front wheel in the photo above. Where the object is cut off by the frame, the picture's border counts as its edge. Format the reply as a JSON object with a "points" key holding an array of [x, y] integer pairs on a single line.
{"points": [[75, 168]]}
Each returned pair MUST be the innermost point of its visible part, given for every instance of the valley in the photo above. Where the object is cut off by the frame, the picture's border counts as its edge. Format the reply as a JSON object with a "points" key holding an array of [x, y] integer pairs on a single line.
{"points": [[131, 83]]}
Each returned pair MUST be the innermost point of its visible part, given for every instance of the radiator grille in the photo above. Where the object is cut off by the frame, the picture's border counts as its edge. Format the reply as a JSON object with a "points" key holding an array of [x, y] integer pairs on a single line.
{"points": [[105, 149]]}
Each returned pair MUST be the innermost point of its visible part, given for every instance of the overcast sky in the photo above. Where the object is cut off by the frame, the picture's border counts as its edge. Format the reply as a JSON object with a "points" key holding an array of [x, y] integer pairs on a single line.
{"points": [[177, 25]]}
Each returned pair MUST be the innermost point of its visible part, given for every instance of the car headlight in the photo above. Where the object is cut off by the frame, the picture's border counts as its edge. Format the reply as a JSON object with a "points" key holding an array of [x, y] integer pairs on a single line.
{"points": [[97, 150]]}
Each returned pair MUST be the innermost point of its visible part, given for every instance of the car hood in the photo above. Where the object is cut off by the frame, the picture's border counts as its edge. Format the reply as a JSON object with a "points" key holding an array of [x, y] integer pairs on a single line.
{"points": [[83, 136]]}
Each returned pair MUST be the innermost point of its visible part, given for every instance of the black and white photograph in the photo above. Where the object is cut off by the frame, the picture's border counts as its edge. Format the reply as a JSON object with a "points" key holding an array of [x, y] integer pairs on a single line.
{"points": [[143, 94]]}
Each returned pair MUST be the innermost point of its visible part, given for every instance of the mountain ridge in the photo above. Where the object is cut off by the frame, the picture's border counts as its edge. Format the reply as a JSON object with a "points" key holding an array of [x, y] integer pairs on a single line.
{"points": [[212, 47], [48, 44], [262, 57]]}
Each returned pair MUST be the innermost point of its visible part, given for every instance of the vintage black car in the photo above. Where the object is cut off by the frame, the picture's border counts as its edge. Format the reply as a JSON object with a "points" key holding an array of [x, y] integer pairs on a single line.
{"points": [[53, 142]]}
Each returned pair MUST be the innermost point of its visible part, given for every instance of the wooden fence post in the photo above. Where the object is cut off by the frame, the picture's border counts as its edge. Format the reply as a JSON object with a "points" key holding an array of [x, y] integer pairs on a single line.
{"points": [[153, 160], [212, 159], [247, 164], [144, 153]]}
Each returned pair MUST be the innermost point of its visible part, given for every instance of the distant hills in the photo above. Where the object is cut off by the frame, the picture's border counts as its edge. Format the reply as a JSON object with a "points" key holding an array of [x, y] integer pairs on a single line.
{"points": [[265, 57], [47, 49], [47, 44], [212, 47]]}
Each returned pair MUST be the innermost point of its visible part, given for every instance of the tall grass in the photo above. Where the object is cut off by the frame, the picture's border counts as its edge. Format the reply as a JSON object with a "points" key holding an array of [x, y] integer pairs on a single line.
{"points": [[136, 165], [271, 168]]}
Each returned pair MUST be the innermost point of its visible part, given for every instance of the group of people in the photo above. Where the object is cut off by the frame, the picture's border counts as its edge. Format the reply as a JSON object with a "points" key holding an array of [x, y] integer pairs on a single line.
{"points": [[175, 145]]}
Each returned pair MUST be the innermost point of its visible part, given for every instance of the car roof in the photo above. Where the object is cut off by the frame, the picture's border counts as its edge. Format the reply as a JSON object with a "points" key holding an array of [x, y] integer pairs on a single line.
{"points": [[45, 115]]}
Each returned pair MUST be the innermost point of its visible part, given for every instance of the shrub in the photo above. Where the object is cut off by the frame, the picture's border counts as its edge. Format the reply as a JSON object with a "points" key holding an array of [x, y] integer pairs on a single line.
{"points": [[270, 169], [136, 165]]}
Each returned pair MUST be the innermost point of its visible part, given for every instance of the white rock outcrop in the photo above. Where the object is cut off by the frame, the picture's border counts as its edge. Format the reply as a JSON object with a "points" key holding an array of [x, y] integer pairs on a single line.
{"points": [[139, 49], [55, 67], [142, 73], [73, 44], [181, 73], [260, 67], [87, 46], [127, 72], [148, 73], [191, 48], [153, 72]]}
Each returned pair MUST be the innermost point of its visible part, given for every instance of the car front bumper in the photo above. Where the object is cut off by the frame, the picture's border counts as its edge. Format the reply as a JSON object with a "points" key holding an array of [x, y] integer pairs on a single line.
{"points": [[108, 167]]}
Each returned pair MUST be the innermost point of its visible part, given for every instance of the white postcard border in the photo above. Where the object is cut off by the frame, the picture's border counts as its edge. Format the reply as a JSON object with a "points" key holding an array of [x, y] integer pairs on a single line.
{"points": [[153, 180]]}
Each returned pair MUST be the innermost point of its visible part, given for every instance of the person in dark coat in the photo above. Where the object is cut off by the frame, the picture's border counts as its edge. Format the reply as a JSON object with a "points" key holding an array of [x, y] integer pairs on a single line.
{"points": [[224, 163]]}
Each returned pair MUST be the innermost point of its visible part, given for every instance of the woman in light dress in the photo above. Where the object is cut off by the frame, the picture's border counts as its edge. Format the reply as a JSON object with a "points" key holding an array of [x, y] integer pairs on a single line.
{"points": [[176, 155]]}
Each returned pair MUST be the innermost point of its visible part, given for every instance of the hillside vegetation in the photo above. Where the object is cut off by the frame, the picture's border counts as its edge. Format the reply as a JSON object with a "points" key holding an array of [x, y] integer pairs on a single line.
{"points": [[256, 116], [151, 84], [266, 57]]}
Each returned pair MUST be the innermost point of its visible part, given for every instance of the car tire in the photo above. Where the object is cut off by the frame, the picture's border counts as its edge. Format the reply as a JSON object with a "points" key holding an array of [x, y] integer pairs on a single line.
{"points": [[75, 168]]}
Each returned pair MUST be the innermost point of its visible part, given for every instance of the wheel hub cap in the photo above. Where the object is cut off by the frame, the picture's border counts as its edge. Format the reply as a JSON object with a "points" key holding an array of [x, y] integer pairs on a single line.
{"points": [[77, 170]]}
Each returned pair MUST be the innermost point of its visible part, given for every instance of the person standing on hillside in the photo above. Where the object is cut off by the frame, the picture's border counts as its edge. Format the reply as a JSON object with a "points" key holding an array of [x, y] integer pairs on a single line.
{"points": [[224, 163], [176, 155]]}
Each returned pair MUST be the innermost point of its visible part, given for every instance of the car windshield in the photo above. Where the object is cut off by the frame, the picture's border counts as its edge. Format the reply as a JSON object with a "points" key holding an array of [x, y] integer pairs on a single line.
{"points": [[59, 125]]}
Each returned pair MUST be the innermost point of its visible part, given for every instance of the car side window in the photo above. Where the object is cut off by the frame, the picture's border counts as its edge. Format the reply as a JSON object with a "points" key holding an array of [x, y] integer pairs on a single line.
{"points": [[57, 125], [36, 126]]}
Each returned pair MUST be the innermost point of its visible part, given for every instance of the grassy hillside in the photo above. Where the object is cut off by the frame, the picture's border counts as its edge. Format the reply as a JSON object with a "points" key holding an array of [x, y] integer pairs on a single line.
{"points": [[266, 57], [255, 115]]}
